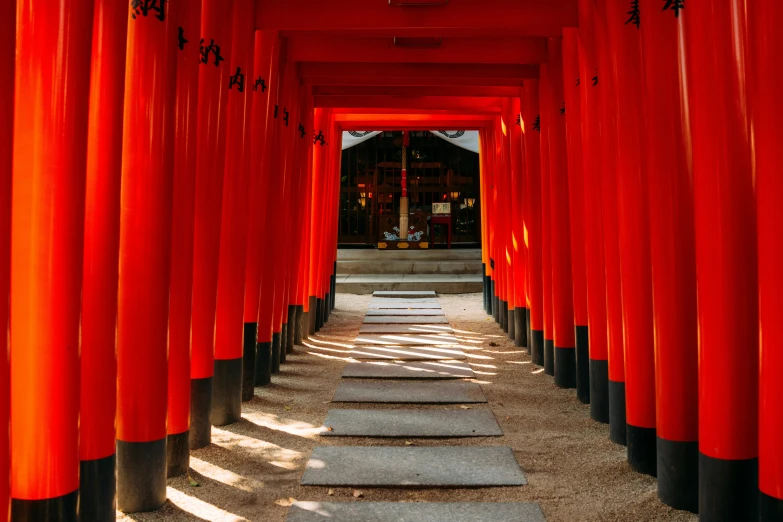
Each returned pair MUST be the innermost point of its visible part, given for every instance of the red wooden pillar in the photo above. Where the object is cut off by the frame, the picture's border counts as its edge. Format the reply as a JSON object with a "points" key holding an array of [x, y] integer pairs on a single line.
{"points": [[593, 215], [486, 245], [672, 255], [635, 271], [508, 197], [47, 218], [545, 124], [320, 156], [215, 51], [7, 41], [560, 224], [726, 259], [97, 438], [532, 130], [145, 260], [518, 222], [259, 176], [502, 165], [767, 47], [188, 17], [572, 86], [605, 84], [227, 383]]}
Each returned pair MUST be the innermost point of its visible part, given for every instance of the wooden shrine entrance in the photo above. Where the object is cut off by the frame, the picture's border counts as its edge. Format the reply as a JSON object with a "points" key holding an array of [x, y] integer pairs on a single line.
{"points": [[442, 178]]}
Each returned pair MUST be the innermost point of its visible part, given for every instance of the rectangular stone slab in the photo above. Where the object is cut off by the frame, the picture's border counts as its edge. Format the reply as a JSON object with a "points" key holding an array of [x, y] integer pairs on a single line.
{"points": [[405, 328], [408, 370], [404, 293], [405, 319], [405, 311], [411, 423], [411, 466], [404, 306], [415, 512], [407, 353], [405, 339], [404, 392]]}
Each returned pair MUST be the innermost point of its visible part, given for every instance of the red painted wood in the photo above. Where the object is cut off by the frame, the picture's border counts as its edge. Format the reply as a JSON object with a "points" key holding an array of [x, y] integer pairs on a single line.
{"points": [[546, 215], [352, 73], [518, 192], [532, 231]]}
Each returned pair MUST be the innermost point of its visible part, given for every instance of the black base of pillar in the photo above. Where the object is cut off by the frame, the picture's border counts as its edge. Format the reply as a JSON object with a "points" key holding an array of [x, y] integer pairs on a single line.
{"points": [[249, 361], [141, 475], [289, 345], [226, 392], [537, 347], [495, 302], [599, 391], [642, 449], [319, 313], [333, 287], [177, 454], [61, 509], [582, 364], [678, 474], [512, 325], [263, 363], [488, 282], [276, 353], [283, 343], [200, 408], [617, 412], [520, 328], [299, 330], [728, 489], [549, 357], [98, 489], [565, 367], [484, 286], [311, 314], [327, 307], [529, 343], [770, 508], [504, 315]]}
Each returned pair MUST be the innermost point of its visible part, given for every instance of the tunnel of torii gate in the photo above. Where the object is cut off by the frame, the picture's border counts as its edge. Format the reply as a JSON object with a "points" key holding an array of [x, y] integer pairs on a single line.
{"points": [[169, 178]]}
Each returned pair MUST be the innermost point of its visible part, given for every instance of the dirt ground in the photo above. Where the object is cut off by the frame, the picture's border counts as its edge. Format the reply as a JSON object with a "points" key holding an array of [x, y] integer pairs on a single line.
{"points": [[252, 469]]}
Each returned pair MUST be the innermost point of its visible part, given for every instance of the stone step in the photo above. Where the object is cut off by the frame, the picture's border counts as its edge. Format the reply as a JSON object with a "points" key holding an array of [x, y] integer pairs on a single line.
{"points": [[408, 370], [419, 294], [402, 392], [407, 353], [411, 423], [383, 466], [405, 339], [382, 266], [401, 304], [415, 512], [405, 311], [392, 256], [405, 319], [390, 328], [441, 283]]}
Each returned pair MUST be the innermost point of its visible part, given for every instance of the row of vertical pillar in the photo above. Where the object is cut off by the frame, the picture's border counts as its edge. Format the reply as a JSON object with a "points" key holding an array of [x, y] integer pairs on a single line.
{"points": [[157, 230], [650, 215]]}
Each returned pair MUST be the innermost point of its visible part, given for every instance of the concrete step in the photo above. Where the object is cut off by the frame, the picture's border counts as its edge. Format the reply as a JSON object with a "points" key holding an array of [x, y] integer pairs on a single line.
{"points": [[409, 266], [433, 254], [440, 283]]}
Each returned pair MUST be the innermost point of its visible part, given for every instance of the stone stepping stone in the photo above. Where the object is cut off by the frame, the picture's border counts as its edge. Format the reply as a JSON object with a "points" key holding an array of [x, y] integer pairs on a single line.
{"points": [[454, 466], [407, 353], [405, 311], [396, 392], [402, 306], [415, 512], [405, 329], [405, 339], [418, 294], [406, 319], [411, 423], [408, 370]]}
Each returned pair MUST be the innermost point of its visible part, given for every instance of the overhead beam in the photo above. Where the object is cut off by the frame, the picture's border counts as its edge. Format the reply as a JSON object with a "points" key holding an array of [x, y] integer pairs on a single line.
{"points": [[412, 81], [425, 90], [491, 50], [457, 17], [411, 120], [472, 104], [400, 71]]}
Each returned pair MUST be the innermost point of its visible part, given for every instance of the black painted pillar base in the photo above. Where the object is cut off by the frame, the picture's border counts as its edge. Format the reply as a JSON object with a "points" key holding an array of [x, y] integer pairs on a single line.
{"points": [[319, 313], [520, 327], [300, 334], [333, 287], [177, 454], [529, 343], [484, 286], [565, 367], [200, 409], [549, 357], [537, 347], [283, 343], [678, 474], [642, 449], [512, 324], [617, 412], [141, 475], [582, 364], [599, 390], [311, 314], [276, 353], [504, 315], [495, 302], [728, 489], [770, 508], [226, 392], [61, 509], [98, 489], [327, 307], [249, 360], [289, 345], [488, 283], [263, 363]]}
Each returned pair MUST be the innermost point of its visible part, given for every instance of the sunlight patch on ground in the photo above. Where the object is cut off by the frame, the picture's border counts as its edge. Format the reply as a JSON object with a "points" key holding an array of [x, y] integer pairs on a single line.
{"points": [[225, 476], [200, 508], [265, 451], [290, 426]]}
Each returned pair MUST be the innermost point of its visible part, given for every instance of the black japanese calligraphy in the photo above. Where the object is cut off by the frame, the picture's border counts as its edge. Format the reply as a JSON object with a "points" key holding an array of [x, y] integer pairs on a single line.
{"points": [[210, 49], [319, 138], [674, 5], [145, 7], [634, 14], [537, 123], [181, 39], [237, 79], [259, 83]]}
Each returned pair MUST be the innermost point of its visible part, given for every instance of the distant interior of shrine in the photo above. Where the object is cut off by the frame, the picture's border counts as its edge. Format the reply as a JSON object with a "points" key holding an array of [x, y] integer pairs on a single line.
{"points": [[443, 189]]}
